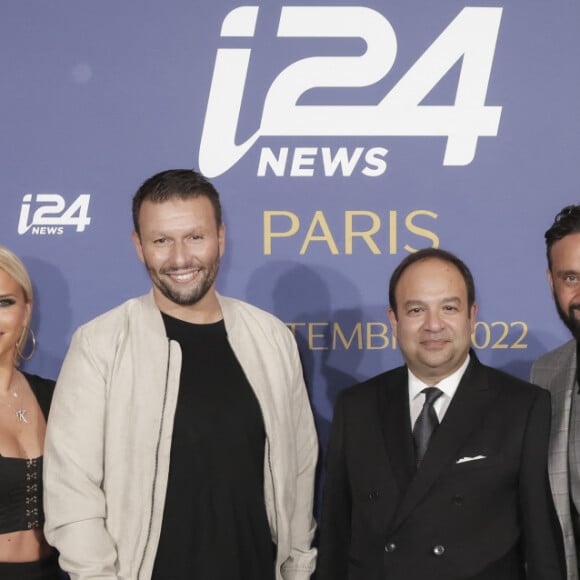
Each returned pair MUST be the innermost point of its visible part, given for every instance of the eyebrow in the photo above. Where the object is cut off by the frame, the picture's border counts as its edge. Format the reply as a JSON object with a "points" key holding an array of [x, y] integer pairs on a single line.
{"points": [[447, 300], [413, 303], [453, 299]]}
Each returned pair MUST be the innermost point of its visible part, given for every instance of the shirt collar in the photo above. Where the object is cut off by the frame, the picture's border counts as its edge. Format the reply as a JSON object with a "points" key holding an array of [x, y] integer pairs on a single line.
{"points": [[448, 385]]}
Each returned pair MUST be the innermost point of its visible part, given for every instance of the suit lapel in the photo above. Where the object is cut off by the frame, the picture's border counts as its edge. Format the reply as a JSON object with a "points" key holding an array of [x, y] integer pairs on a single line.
{"points": [[396, 426], [561, 386], [471, 403], [561, 390]]}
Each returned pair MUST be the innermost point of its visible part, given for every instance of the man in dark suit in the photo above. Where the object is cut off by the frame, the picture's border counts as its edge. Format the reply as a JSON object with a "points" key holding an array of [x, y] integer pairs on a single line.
{"points": [[438, 470], [557, 371]]}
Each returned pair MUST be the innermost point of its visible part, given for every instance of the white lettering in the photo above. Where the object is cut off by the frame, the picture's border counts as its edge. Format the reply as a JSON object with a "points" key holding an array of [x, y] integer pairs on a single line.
{"points": [[306, 161], [470, 39], [52, 211]]}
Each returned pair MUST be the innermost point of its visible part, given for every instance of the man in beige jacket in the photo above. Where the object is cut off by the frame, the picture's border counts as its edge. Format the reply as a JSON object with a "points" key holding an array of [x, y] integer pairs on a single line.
{"points": [[181, 443]]}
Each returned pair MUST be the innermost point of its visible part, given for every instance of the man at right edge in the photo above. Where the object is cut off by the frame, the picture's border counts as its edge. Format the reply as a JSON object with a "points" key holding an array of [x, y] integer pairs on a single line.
{"points": [[557, 371]]}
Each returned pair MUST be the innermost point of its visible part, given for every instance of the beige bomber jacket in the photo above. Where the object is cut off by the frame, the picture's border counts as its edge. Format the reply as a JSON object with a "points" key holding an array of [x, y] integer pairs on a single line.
{"points": [[109, 436]]}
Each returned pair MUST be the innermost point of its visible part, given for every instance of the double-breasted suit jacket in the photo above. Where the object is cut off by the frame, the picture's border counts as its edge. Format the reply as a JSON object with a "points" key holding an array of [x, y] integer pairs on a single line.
{"points": [[557, 372], [479, 507]]}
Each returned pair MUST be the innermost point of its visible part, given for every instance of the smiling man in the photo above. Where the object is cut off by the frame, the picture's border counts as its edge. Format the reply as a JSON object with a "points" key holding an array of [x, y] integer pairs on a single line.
{"points": [[558, 372], [438, 469], [183, 444]]}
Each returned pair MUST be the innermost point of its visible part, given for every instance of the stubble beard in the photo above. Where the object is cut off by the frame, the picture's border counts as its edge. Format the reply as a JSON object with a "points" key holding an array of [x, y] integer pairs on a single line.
{"points": [[206, 278], [571, 322]]}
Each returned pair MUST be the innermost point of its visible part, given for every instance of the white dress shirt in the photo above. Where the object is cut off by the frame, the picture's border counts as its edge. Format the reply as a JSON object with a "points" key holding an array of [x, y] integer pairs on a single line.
{"points": [[447, 386]]}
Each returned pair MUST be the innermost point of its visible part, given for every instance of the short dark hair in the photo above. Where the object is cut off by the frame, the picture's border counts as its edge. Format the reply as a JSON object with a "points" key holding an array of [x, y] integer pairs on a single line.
{"points": [[565, 223], [429, 254], [181, 183]]}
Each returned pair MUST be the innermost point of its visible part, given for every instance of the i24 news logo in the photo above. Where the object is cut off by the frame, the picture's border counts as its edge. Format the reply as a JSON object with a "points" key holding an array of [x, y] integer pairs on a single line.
{"points": [[471, 36], [52, 214]]}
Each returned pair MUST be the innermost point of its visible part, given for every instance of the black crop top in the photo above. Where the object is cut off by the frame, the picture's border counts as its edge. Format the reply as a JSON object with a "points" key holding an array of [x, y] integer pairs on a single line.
{"points": [[21, 479], [20, 494]]}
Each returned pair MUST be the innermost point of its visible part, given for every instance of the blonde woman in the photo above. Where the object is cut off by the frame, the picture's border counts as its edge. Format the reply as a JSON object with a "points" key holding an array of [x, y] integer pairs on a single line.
{"points": [[24, 404]]}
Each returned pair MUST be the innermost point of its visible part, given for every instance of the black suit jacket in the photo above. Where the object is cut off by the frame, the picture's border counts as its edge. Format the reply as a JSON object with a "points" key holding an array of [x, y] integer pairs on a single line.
{"points": [[455, 518]]}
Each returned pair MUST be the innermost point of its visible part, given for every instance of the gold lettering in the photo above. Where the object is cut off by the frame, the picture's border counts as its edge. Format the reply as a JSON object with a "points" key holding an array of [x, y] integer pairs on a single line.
{"points": [[421, 231], [382, 335], [338, 333], [366, 235], [393, 232], [312, 335], [292, 326], [319, 220], [269, 234]]}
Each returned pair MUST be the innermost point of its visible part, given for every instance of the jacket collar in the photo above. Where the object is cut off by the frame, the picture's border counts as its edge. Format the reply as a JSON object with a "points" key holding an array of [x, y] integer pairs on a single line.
{"points": [[469, 407]]}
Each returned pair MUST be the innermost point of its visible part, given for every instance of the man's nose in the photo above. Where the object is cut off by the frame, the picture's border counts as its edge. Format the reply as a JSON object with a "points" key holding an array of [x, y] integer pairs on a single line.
{"points": [[433, 320], [178, 254]]}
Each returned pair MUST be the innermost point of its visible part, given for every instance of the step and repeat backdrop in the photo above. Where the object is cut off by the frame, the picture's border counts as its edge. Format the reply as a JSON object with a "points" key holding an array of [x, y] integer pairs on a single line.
{"points": [[341, 136]]}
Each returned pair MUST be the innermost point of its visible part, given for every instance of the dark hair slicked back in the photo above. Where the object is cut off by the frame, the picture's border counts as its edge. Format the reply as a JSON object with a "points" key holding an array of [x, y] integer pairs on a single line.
{"points": [[180, 183], [430, 254], [566, 222]]}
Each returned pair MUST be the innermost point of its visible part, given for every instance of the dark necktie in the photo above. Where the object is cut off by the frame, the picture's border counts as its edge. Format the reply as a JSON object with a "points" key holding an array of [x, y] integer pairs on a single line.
{"points": [[426, 423]]}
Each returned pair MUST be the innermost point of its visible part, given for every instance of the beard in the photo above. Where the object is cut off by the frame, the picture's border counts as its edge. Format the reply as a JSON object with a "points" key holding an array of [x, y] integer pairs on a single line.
{"points": [[206, 275], [567, 317]]}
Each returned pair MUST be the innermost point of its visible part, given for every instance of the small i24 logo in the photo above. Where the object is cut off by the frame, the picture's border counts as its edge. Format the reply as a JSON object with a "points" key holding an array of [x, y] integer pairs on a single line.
{"points": [[51, 214]]}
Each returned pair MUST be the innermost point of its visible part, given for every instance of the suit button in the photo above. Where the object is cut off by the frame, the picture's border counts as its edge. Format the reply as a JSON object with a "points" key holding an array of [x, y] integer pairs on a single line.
{"points": [[439, 550], [373, 495], [390, 547], [458, 499]]}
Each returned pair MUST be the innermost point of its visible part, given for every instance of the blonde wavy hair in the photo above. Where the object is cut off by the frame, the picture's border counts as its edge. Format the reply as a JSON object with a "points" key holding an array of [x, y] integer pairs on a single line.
{"points": [[13, 266]]}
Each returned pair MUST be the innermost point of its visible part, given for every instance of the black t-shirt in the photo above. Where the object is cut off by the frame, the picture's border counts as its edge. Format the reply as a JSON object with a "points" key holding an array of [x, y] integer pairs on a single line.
{"points": [[214, 522]]}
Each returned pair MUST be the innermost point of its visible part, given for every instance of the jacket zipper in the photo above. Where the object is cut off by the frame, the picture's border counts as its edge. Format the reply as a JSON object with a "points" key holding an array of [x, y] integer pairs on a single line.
{"points": [[274, 499], [156, 458]]}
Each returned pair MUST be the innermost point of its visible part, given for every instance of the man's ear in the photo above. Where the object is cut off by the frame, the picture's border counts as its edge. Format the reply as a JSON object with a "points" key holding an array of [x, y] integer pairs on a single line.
{"points": [[550, 279], [137, 243], [393, 320], [473, 315], [222, 239]]}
